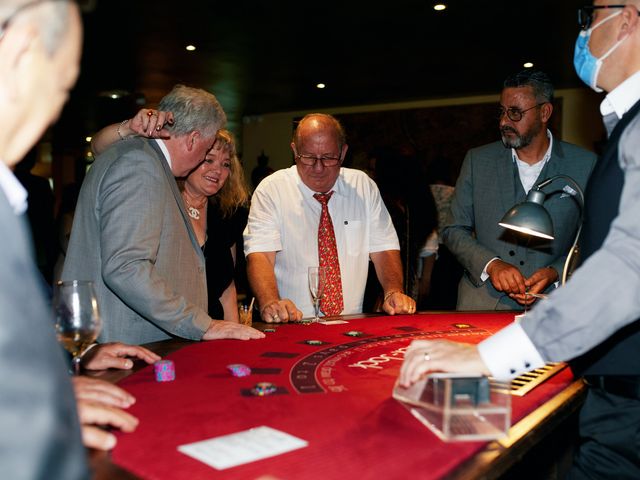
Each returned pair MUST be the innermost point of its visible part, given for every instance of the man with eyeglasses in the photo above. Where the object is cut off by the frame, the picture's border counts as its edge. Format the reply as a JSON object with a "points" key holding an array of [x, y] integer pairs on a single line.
{"points": [[501, 269], [595, 318], [281, 238]]}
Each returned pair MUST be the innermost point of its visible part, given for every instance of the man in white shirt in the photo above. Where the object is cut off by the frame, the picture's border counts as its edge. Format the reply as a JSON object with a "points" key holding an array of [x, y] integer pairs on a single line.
{"points": [[281, 237], [595, 316]]}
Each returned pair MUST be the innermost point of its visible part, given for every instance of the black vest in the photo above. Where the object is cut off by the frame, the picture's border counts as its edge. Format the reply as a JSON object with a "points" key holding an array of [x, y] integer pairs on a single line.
{"points": [[620, 354]]}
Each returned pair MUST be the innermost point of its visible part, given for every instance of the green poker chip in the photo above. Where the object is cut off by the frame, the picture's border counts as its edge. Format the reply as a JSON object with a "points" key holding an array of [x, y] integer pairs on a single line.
{"points": [[354, 333], [313, 342]]}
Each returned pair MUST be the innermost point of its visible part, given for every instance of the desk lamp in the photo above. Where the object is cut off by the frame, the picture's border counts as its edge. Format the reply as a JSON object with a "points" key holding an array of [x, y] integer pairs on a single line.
{"points": [[531, 218]]}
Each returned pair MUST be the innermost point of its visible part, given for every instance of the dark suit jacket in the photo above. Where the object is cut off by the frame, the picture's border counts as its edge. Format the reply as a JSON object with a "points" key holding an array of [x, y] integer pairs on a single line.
{"points": [[132, 237], [488, 186], [39, 429]]}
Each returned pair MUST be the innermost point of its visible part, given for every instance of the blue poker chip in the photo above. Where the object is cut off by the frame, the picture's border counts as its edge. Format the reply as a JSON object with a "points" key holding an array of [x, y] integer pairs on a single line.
{"points": [[264, 388], [354, 333], [269, 330], [239, 370]]}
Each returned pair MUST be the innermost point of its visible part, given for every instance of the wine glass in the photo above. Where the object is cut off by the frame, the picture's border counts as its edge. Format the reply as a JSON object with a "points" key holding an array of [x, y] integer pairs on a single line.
{"points": [[317, 277], [78, 321]]}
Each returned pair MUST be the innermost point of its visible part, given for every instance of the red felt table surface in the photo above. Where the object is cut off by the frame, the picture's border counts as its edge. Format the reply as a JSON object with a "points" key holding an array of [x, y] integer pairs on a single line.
{"points": [[336, 396]]}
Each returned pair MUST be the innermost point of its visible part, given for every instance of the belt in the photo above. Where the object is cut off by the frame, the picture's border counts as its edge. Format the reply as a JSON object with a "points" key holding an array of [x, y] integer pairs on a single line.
{"points": [[622, 385]]}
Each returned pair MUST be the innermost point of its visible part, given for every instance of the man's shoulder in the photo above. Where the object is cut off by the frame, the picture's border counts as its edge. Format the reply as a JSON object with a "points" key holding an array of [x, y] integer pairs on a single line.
{"points": [[571, 149], [488, 150], [574, 156], [353, 176], [136, 157], [277, 180]]}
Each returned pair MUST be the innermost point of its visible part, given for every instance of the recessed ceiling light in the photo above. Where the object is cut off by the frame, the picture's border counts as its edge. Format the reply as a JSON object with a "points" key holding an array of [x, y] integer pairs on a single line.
{"points": [[439, 7], [87, 139], [190, 48], [527, 65], [320, 85]]}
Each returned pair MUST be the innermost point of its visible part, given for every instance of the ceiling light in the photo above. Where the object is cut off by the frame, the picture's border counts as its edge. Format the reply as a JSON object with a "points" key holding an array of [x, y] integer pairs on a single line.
{"points": [[439, 7], [527, 65], [320, 85], [87, 139], [190, 48]]}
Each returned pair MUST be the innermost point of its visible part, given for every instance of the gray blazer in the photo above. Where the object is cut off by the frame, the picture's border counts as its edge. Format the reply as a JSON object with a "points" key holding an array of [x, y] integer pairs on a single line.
{"points": [[487, 187], [132, 237], [39, 429]]}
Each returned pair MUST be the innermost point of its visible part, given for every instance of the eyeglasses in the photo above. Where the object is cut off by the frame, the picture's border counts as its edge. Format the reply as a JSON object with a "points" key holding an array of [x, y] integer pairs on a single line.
{"points": [[310, 160], [5, 24], [515, 114], [585, 14]]}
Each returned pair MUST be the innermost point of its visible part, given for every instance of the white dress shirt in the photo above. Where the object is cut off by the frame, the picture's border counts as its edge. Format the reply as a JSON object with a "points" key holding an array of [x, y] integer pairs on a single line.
{"points": [[602, 295], [284, 218], [13, 190], [528, 175]]}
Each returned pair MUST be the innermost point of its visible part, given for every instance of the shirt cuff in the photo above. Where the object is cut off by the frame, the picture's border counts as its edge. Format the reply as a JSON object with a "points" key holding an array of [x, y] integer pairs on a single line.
{"points": [[484, 275], [509, 353]]}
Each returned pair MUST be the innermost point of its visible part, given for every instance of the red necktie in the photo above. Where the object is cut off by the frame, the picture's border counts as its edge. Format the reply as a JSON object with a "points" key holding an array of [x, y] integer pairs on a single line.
{"points": [[331, 302]]}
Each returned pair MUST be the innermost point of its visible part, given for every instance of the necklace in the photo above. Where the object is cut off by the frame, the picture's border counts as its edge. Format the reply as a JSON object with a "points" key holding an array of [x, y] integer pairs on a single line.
{"points": [[194, 212]]}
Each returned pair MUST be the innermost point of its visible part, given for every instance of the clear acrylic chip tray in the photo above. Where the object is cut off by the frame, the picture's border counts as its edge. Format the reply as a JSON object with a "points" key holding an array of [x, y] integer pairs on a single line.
{"points": [[459, 407]]}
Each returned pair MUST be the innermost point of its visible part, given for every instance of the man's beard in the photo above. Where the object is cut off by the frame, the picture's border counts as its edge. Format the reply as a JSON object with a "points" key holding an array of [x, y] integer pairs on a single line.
{"points": [[520, 140]]}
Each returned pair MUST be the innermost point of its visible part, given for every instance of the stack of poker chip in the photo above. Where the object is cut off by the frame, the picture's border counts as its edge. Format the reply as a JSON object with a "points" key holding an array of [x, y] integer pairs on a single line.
{"points": [[165, 371]]}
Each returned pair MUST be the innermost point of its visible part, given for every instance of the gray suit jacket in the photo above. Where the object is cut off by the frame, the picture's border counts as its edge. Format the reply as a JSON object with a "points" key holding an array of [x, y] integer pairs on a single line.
{"points": [[487, 187], [132, 237], [39, 429]]}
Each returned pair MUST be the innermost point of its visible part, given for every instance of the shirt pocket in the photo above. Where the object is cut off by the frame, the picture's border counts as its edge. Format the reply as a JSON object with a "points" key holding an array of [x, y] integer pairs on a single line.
{"points": [[354, 235]]}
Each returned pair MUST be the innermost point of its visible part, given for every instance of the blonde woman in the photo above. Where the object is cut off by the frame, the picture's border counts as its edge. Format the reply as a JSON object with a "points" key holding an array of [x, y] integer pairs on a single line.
{"points": [[215, 196]]}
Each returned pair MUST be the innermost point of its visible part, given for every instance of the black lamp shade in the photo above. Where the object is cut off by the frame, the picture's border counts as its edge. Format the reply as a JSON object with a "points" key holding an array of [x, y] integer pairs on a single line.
{"points": [[530, 217]]}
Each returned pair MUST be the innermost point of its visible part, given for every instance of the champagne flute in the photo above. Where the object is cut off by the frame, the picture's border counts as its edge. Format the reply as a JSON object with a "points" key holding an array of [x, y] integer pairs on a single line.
{"points": [[317, 277], [78, 321]]}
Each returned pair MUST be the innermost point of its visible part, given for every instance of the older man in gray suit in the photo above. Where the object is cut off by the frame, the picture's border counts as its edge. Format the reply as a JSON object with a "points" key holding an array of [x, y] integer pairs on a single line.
{"points": [[500, 267], [40, 45], [131, 234]]}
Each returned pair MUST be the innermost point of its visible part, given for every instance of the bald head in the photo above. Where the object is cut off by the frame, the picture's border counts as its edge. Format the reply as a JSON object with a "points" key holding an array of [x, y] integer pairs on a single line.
{"points": [[317, 122]]}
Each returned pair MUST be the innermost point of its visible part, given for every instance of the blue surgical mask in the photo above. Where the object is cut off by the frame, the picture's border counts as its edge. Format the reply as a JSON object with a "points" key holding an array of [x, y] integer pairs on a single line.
{"points": [[587, 66]]}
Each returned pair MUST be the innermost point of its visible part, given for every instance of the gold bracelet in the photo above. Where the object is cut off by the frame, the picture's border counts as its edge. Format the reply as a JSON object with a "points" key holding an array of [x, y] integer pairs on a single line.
{"points": [[389, 293], [119, 127]]}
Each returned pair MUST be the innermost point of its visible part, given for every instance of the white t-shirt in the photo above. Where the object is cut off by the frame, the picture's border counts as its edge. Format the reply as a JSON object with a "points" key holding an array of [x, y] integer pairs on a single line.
{"points": [[284, 218]]}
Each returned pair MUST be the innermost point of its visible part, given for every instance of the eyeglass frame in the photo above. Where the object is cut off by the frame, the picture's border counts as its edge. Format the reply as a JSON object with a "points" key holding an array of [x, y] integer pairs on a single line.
{"points": [[323, 159], [585, 14], [513, 110]]}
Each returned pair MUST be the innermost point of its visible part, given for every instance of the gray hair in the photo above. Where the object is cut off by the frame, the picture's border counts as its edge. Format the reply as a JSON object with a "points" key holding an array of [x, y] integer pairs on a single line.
{"points": [[537, 80], [193, 109], [51, 17]]}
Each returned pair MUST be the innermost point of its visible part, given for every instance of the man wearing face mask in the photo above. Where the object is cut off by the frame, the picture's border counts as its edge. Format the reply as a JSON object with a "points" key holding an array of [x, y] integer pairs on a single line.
{"points": [[596, 316], [501, 266]]}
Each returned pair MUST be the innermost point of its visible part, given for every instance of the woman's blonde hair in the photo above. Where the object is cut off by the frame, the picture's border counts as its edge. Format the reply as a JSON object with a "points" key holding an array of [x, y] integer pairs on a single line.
{"points": [[234, 193]]}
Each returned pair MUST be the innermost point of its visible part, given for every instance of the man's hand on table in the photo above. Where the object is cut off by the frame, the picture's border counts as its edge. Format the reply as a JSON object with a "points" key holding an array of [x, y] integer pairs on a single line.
{"points": [[397, 302], [223, 329], [279, 311], [101, 403], [92, 414], [115, 355], [96, 390], [424, 356]]}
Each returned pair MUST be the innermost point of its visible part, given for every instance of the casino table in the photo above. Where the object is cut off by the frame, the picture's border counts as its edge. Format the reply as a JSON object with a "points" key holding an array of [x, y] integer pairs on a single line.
{"points": [[332, 388]]}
